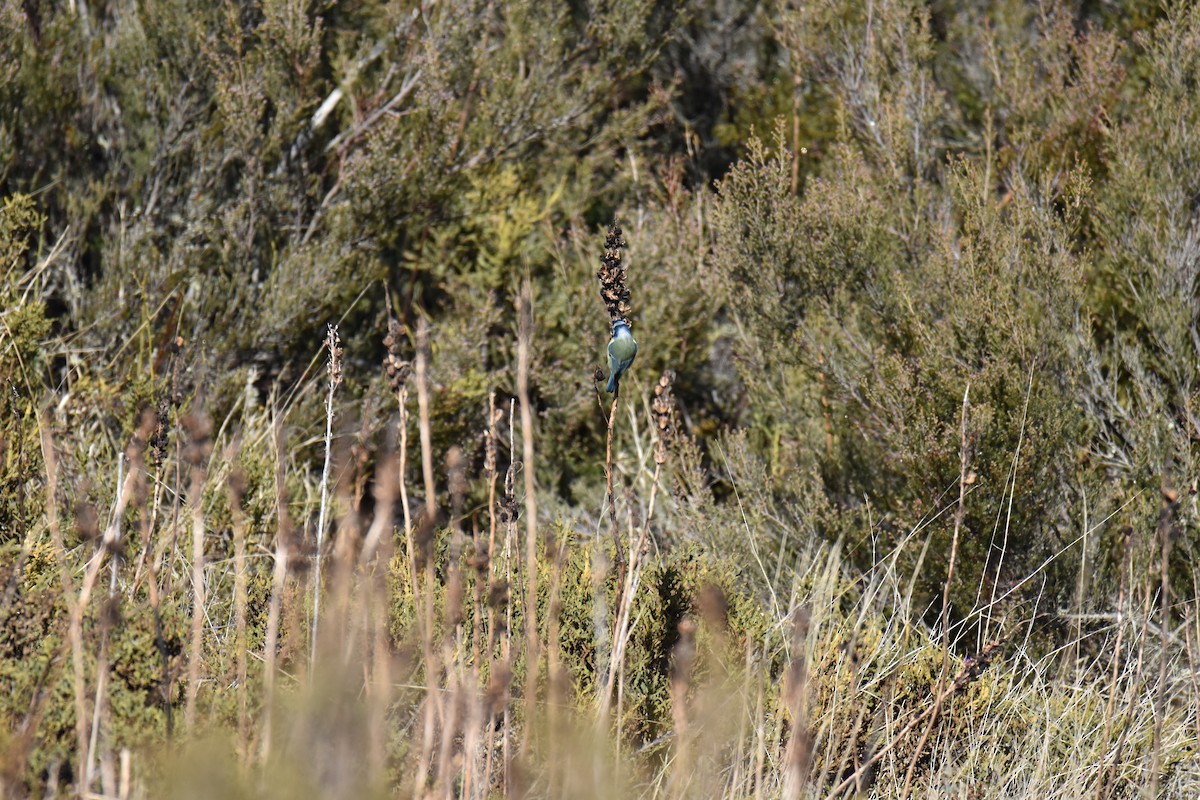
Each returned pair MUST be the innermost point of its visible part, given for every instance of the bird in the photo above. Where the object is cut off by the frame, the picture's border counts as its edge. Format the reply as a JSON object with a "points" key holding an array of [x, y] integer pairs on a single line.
{"points": [[621, 351]]}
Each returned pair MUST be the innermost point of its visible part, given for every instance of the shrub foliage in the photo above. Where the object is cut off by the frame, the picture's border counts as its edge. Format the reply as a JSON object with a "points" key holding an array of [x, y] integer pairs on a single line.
{"points": [[922, 282]]}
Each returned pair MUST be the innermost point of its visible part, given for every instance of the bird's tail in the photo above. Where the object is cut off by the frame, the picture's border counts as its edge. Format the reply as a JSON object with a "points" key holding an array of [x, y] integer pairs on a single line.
{"points": [[612, 383]]}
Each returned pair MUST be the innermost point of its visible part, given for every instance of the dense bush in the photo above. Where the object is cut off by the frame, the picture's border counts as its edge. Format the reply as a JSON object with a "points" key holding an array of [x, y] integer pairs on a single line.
{"points": [[923, 276]]}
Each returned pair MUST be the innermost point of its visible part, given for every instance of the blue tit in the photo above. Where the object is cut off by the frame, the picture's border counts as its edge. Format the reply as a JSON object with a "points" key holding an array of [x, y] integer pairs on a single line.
{"points": [[621, 351]]}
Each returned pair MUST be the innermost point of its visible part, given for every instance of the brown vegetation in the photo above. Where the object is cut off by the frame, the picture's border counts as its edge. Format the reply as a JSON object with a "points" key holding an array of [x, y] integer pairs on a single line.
{"points": [[307, 487]]}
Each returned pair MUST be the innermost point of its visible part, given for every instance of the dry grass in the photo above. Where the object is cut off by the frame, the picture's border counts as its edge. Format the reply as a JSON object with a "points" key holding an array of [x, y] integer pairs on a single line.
{"points": [[447, 661], [870, 703]]}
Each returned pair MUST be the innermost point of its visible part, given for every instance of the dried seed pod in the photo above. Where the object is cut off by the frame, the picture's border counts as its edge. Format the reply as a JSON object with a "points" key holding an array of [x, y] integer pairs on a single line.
{"points": [[396, 368], [663, 409], [334, 343], [160, 437], [507, 510], [612, 277]]}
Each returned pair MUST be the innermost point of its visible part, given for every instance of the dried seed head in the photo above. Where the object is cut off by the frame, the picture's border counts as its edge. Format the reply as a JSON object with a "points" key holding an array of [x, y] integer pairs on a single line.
{"points": [[179, 381], [663, 409], [395, 367], [489, 436], [612, 277], [489, 453], [160, 437], [507, 510], [334, 344]]}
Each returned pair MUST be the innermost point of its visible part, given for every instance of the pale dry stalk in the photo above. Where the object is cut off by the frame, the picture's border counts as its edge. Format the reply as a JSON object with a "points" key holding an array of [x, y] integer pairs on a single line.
{"points": [[532, 662], [488, 578], [199, 600], [372, 610], [1135, 692], [98, 705], [663, 407], [333, 344], [435, 712], [1126, 577], [409, 539], [683, 656], [1189, 629], [75, 632], [131, 489], [461, 690], [610, 496], [797, 757], [510, 536]]}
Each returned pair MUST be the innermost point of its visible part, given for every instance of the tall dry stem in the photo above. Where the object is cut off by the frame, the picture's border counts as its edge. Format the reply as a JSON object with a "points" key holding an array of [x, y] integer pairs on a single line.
{"points": [[662, 410], [452, 641], [434, 715], [75, 632], [505, 597], [532, 664], [609, 494], [488, 578], [683, 657], [333, 344], [199, 430], [797, 757]]}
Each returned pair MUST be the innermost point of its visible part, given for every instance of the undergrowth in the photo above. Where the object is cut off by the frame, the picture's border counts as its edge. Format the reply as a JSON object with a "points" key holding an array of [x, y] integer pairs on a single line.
{"points": [[309, 484]]}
